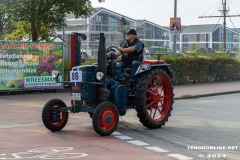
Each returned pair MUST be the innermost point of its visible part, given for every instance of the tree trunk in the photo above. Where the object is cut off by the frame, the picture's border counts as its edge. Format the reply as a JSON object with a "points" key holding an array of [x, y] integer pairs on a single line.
{"points": [[34, 32], [1, 27], [38, 28], [33, 22], [1, 23]]}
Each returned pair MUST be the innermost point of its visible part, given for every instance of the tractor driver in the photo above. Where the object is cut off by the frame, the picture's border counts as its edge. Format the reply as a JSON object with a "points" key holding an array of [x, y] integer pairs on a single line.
{"points": [[130, 50]]}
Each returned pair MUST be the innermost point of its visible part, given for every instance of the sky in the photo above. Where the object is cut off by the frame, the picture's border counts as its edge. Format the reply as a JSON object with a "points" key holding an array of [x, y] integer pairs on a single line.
{"points": [[160, 11]]}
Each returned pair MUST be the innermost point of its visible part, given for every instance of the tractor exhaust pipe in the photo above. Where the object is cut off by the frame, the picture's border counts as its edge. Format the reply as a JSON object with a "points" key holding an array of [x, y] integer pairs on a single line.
{"points": [[102, 57]]}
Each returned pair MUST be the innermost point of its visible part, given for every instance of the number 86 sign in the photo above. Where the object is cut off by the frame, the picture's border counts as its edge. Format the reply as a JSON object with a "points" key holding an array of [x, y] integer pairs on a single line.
{"points": [[75, 76]]}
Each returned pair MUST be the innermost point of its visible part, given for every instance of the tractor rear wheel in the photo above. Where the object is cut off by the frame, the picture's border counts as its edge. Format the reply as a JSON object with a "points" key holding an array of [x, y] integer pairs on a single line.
{"points": [[105, 118], [154, 99], [53, 120]]}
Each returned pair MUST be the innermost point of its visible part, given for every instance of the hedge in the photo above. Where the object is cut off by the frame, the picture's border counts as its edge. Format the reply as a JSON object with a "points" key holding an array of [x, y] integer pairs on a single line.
{"points": [[195, 69], [67, 69], [200, 69]]}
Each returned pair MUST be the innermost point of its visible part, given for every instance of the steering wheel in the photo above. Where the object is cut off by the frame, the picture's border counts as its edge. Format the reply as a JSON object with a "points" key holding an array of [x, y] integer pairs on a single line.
{"points": [[112, 48]]}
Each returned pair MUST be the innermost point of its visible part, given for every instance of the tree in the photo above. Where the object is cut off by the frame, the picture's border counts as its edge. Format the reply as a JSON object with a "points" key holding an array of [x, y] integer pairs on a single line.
{"points": [[20, 31], [2, 18], [7, 24], [41, 18]]}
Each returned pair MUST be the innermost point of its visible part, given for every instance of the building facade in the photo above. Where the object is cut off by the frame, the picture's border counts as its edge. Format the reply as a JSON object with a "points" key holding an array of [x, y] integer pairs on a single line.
{"points": [[156, 38], [209, 36], [101, 21], [105, 21]]}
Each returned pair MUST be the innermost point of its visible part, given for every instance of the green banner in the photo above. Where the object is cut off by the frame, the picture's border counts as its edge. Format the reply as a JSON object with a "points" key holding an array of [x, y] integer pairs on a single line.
{"points": [[26, 65]]}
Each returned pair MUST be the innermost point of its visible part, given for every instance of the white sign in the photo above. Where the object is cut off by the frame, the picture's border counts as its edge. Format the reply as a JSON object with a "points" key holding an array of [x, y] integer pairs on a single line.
{"points": [[75, 76], [75, 96]]}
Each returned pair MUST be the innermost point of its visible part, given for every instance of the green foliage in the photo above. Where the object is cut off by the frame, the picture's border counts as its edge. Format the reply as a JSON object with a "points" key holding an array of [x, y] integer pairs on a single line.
{"points": [[45, 74], [202, 69], [7, 19], [58, 65], [89, 61], [222, 48], [11, 84], [40, 18], [194, 69], [67, 69], [20, 31], [194, 47]]}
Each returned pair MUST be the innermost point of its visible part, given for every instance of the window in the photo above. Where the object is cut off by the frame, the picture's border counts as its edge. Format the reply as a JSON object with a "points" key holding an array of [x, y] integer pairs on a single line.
{"points": [[149, 31], [221, 35], [113, 23], [229, 36], [99, 19], [198, 37], [158, 33], [99, 22], [185, 38]]}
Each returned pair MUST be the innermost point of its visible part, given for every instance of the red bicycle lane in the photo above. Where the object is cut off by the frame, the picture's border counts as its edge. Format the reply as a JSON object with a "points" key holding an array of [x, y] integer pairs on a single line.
{"points": [[76, 141]]}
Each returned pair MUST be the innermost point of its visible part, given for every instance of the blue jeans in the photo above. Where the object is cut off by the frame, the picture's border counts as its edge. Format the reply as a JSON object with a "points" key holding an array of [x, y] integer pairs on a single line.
{"points": [[134, 68]]}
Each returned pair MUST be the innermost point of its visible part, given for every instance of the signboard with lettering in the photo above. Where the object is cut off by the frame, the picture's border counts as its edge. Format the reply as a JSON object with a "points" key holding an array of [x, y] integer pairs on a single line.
{"points": [[27, 65]]}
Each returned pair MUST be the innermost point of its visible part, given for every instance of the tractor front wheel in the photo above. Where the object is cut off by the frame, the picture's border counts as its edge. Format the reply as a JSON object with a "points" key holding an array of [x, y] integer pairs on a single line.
{"points": [[154, 99], [105, 118], [52, 119]]}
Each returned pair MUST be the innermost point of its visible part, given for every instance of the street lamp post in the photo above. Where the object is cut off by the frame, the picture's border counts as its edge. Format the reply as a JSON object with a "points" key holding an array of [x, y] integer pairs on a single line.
{"points": [[123, 24], [175, 36], [63, 32]]}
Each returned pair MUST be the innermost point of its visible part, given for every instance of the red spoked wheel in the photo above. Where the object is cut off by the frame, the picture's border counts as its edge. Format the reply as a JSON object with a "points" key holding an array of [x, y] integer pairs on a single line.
{"points": [[105, 118], [52, 119], [154, 99], [158, 98]]}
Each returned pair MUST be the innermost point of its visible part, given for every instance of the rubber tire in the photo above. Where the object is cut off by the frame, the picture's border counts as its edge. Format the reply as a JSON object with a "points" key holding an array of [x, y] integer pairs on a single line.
{"points": [[45, 116], [96, 118], [141, 108], [90, 115]]}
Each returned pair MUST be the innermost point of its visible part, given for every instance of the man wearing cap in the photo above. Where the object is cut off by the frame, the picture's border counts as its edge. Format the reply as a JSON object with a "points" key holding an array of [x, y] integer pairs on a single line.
{"points": [[131, 50]]}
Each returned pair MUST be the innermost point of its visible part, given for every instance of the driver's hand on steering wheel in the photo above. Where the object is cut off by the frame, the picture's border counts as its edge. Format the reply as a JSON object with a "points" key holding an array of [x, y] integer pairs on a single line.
{"points": [[111, 53], [120, 49]]}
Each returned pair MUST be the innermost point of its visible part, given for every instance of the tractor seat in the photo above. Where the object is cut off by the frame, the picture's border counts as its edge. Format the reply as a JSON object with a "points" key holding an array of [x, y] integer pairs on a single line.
{"points": [[152, 61]]}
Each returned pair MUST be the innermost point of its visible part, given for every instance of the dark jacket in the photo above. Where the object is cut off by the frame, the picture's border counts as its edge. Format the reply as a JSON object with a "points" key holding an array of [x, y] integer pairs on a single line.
{"points": [[128, 58]]}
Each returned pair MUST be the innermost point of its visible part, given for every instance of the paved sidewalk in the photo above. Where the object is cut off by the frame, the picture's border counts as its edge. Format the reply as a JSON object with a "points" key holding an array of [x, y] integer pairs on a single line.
{"points": [[204, 90], [181, 91]]}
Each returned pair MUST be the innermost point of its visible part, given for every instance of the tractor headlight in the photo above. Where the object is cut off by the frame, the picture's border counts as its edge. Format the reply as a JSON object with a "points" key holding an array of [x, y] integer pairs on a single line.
{"points": [[55, 74], [99, 76]]}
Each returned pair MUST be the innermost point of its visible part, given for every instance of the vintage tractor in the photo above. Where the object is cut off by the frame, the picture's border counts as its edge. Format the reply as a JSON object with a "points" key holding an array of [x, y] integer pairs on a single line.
{"points": [[105, 91]]}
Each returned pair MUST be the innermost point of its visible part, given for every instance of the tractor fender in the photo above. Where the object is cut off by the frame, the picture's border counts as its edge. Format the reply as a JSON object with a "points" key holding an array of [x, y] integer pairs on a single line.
{"points": [[147, 68]]}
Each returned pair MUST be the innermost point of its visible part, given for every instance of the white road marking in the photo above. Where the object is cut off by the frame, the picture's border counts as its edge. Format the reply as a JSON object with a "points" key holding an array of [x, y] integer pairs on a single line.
{"points": [[157, 149], [20, 125], [116, 134], [179, 157], [46, 153], [138, 143], [123, 137], [37, 105], [154, 149]]}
